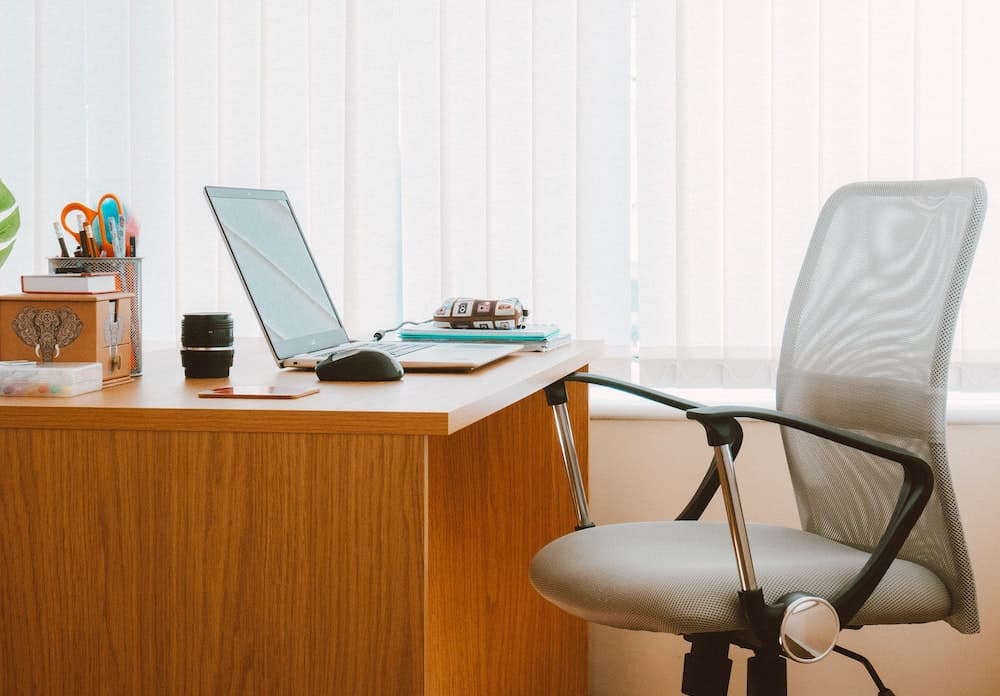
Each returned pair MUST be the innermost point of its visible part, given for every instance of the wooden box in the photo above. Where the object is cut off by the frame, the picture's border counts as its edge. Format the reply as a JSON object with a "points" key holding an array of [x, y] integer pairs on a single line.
{"points": [[69, 328]]}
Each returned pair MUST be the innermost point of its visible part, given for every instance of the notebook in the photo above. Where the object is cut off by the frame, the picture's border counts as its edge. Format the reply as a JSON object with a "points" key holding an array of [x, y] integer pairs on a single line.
{"points": [[288, 295], [531, 333]]}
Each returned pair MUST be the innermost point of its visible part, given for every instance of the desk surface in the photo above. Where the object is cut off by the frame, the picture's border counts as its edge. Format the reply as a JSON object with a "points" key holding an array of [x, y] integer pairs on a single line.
{"points": [[419, 404]]}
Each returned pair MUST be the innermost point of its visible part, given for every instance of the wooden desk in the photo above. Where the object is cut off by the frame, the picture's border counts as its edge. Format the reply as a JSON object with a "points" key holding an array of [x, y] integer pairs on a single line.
{"points": [[371, 539]]}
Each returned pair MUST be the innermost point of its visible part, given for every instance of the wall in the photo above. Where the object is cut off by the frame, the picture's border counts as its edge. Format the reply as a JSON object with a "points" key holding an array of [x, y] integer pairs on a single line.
{"points": [[647, 469]]}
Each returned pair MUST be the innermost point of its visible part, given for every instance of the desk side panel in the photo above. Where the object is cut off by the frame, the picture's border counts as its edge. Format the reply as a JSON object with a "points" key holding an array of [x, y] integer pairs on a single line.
{"points": [[497, 493], [210, 563]]}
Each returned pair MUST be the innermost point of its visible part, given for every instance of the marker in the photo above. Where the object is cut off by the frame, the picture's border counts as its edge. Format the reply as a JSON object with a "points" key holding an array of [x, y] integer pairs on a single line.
{"points": [[63, 251], [81, 232], [117, 237]]}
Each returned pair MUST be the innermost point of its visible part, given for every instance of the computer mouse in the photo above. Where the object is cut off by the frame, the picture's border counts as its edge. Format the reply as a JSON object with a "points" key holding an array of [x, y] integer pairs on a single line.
{"points": [[359, 365]]}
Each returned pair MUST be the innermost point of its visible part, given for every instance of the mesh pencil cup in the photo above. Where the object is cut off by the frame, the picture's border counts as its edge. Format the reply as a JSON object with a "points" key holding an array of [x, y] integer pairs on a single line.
{"points": [[129, 271]]}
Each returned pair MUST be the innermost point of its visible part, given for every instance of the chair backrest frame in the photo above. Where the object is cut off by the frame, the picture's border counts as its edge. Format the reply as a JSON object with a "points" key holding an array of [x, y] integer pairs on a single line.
{"points": [[867, 346]]}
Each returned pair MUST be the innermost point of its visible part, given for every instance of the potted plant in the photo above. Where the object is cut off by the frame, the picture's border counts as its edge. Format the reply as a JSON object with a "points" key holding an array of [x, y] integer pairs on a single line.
{"points": [[10, 221]]}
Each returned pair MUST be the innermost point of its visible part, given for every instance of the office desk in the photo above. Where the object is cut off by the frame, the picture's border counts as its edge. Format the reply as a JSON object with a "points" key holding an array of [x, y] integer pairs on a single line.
{"points": [[370, 539]]}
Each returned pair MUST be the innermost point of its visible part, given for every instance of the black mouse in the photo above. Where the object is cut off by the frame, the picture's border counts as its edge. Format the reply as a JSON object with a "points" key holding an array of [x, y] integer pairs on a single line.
{"points": [[359, 365]]}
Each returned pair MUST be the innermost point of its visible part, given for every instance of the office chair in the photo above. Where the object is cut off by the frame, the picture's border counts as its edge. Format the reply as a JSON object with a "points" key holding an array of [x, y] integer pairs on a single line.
{"points": [[861, 390]]}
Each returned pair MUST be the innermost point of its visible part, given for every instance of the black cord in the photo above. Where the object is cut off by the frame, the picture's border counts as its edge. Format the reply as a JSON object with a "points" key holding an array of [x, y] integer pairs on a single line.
{"points": [[380, 334]]}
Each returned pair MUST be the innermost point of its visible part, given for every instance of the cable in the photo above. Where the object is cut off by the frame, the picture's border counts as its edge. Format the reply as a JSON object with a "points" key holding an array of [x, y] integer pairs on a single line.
{"points": [[380, 334]]}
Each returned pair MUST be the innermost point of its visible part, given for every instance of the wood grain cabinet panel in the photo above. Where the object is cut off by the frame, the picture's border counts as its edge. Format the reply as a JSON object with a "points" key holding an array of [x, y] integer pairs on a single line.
{"points": [[286, 558]]}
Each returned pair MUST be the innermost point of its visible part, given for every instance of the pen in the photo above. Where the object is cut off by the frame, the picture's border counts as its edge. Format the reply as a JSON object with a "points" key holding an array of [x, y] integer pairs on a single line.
{"points": [[87, 242], [63, 251]]}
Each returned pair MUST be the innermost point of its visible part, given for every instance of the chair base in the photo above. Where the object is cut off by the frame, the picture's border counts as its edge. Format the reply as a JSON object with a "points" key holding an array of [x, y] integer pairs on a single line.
{"points": [[707, 667], [767, 675]]}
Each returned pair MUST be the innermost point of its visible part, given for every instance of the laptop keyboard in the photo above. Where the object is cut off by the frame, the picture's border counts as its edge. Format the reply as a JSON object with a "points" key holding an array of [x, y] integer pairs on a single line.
{"points": [[394, 348]]}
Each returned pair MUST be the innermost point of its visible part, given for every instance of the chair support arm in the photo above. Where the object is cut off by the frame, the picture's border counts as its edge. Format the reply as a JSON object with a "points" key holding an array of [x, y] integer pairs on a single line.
{"points": [[634, 389], [915, 491], [719, 419], [695, 507]]}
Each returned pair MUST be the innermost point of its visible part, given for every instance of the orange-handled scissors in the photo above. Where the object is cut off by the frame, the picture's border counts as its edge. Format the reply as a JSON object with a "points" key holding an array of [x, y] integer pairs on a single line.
{"points": [[88, 214], [107, 208]]}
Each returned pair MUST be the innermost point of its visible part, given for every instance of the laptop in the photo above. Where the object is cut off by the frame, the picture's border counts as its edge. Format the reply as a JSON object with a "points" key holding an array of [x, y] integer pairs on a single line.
{"points": [[290, 299]]}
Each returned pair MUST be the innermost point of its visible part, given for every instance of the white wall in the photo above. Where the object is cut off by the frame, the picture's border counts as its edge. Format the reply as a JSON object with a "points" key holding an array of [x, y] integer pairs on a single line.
{"points": [[647, 469]]}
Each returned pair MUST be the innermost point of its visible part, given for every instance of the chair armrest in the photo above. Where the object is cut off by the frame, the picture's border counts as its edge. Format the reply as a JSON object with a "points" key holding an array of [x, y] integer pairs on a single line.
{"points": [[634, 389], [918, 482], [719, 419], [710, 481]]}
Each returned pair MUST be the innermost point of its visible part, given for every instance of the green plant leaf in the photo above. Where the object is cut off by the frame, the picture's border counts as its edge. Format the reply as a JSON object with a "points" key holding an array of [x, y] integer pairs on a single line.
{"points": [[6, 197], [9, 225], [4, 253]]}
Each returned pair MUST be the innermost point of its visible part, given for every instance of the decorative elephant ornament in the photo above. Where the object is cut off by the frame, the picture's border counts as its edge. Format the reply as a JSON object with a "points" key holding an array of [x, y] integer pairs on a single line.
{"points": [[47, 330]]}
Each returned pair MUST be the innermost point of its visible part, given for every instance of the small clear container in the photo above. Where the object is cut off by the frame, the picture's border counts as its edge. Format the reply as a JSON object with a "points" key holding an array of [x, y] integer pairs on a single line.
{"points": [[49, 379]]}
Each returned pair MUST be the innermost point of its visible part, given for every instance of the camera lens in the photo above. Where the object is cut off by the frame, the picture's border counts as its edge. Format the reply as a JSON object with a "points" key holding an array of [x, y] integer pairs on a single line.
{"points": [[207, 344]]}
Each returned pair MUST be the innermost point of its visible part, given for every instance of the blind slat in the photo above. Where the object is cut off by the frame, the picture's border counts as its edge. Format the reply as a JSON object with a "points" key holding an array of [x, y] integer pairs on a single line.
{"points": [[371, 245], [656, 173], [509, 141], [843, 68], [239, 130], [327, 114], [420, 157], [603, 168], [107, 80], [61, 101], [746, 182], [284, 148], [699, 179], [240, 81], [197, 153], [553, 199], [794, 148], [463, 147], [937, 107], [891, 93], [153, 164], [981, 157]]}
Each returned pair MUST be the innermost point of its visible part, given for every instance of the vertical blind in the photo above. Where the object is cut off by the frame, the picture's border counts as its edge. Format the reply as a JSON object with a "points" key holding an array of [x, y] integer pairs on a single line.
{"points": [[644, 172]]}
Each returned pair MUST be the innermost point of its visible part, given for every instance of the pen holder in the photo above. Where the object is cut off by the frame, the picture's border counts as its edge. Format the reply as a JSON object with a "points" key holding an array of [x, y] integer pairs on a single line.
{"points": [[129, 271]]}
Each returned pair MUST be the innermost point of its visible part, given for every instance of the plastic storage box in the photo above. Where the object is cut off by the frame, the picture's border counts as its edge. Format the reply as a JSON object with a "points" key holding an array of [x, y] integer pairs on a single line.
{"points": [[49, 379]]}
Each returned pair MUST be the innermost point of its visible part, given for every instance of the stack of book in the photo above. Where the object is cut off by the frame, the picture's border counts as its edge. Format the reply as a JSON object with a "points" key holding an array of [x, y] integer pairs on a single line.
{"points": [[534, 337], [71, 283]]}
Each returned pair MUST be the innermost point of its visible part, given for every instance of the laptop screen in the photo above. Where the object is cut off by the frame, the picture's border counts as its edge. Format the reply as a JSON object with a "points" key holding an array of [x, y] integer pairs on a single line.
{"points": [[277, 270]]}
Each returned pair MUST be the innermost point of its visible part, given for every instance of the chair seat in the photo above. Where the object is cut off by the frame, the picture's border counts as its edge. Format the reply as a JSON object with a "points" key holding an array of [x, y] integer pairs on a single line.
{"points": [[680, 577]]}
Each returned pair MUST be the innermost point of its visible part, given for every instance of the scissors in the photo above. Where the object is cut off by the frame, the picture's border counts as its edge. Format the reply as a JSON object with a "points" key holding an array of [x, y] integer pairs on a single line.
{"points": [[108, 208]]}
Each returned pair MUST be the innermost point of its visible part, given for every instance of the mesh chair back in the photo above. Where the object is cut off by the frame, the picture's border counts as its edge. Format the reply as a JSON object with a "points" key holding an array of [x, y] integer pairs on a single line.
{"points": [[866, 347]]}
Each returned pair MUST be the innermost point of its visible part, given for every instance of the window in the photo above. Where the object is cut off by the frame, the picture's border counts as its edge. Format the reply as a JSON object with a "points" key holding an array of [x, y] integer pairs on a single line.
{"points": [[646, 173]]}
